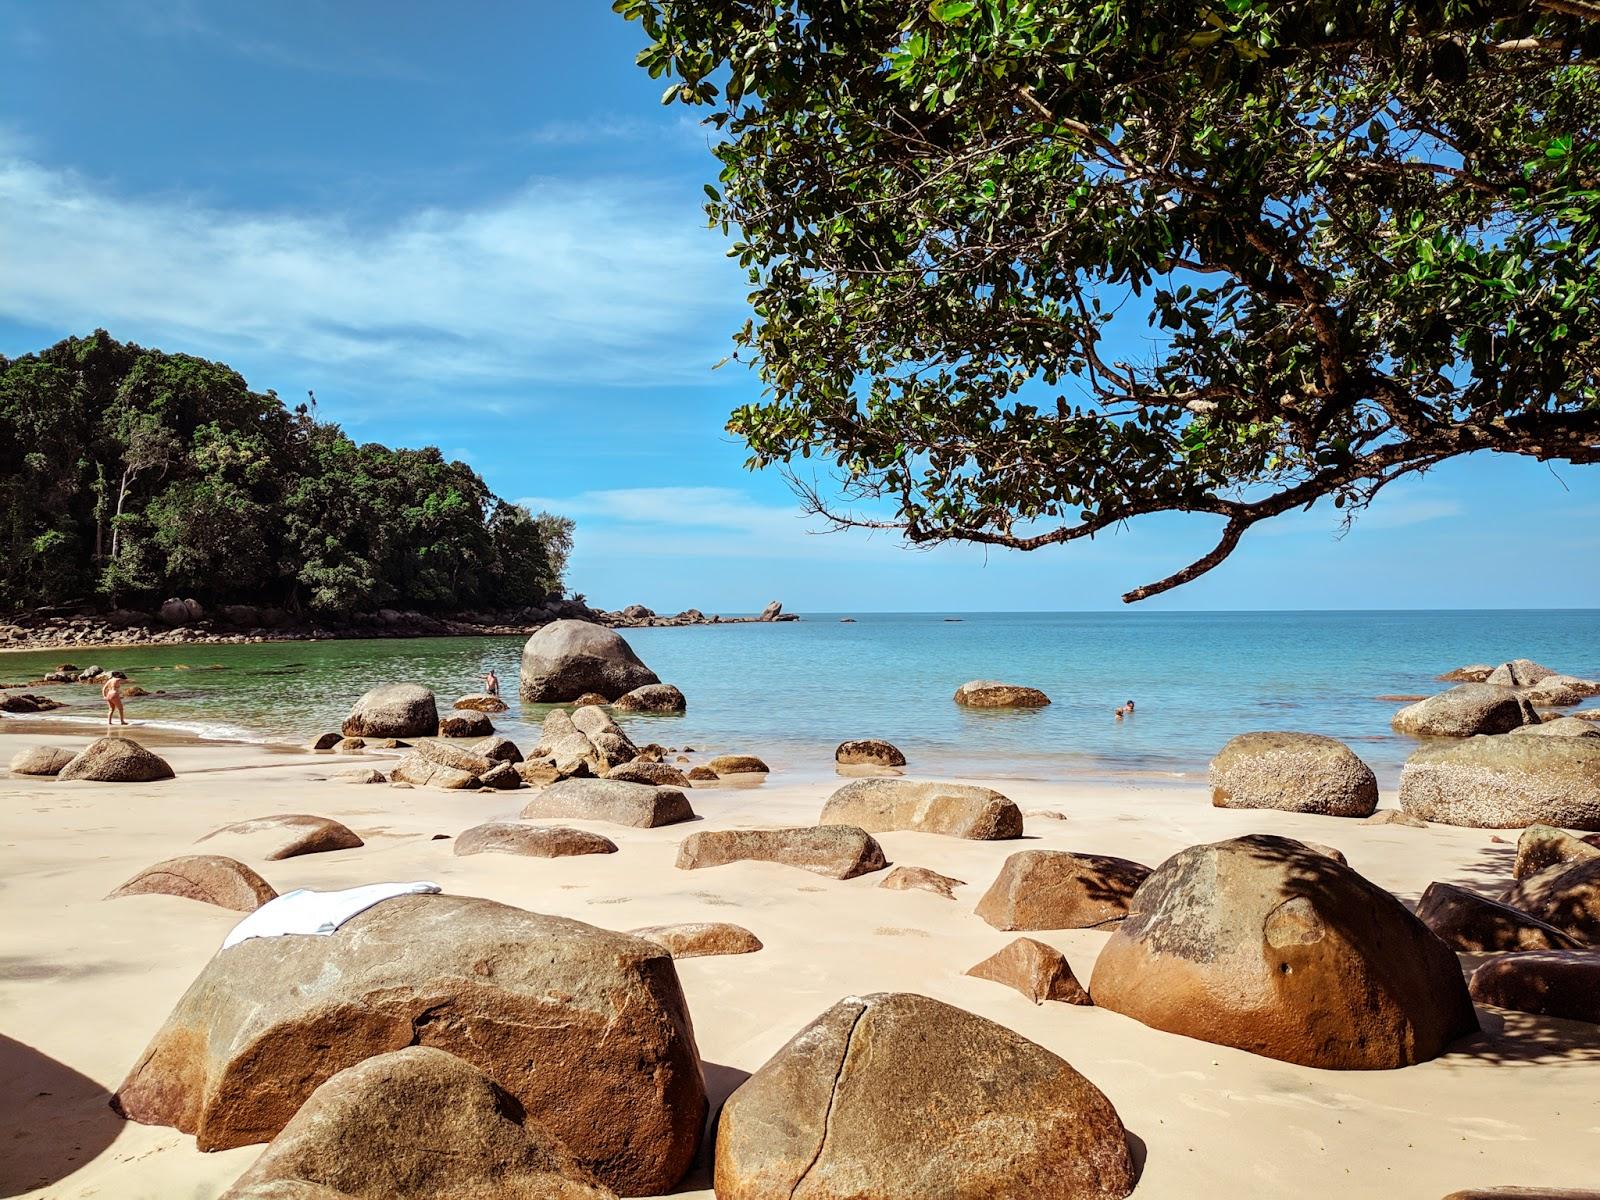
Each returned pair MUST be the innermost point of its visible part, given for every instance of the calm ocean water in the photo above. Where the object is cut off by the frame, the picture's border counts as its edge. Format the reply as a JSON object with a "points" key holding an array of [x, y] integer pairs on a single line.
{"points": [[790, 692]]}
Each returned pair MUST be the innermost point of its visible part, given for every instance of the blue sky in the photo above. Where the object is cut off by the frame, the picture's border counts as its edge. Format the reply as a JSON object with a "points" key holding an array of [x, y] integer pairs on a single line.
{"points": [[475, 226]]}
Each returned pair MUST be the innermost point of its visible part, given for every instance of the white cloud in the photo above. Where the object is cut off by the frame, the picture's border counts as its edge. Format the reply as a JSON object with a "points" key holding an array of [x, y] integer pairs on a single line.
{"points": [[598, 282]]}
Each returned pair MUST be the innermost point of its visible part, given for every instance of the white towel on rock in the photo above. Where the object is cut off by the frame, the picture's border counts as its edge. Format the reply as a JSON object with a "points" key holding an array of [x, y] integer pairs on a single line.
{"points": [[305, 911]]}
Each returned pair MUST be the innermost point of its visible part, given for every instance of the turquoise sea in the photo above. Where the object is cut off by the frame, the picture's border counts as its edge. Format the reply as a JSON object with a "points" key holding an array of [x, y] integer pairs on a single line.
{"points": [[790, 692]]}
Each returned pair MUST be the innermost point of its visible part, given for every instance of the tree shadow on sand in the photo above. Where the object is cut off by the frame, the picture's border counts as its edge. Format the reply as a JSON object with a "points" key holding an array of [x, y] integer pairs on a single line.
{"points": [[55, 1119]]}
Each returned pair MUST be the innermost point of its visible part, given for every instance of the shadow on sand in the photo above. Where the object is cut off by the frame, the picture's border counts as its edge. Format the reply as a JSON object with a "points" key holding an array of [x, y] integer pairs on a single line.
{"points": [[55, 1119]]}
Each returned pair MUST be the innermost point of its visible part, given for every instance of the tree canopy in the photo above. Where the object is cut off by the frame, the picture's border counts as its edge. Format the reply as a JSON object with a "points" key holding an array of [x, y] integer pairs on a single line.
{"points": [[132, 475], [1025, 269]]}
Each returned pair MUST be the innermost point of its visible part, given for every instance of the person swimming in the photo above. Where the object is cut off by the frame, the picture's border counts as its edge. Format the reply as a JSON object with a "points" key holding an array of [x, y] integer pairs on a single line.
{"points": [[111, 693]]}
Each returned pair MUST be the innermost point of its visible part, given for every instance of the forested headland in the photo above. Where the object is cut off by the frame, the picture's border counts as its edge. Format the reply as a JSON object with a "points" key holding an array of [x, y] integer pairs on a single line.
{"points": [[130, 475]]}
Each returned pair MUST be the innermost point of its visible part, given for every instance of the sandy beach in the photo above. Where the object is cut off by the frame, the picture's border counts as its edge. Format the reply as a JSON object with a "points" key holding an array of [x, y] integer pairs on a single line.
{"points": [[84, 982]]}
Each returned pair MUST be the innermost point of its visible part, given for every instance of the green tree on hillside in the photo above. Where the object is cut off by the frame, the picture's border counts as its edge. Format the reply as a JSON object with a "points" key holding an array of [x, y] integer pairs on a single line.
{"points": [[1025, 269]]}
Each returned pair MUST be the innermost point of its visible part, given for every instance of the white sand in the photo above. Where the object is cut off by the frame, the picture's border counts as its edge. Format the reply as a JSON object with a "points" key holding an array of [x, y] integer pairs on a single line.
{"points": [[84, 982]]}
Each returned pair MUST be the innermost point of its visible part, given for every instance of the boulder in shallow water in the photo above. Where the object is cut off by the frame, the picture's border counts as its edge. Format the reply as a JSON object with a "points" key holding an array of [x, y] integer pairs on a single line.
{"points": [[116, 760], [1540, 847], [587, 1029], [1472, 673], [1566, 895], [921, 879], [375, 1131], [1464, 920], [1293, 772], [1060, 889], [953, 809], [532, 841], [1560, 691], [285, 835], [1551, 983], [1466, 710], [1505, 782], [896, 1096], [208, 878], [567, 658], [699, 939], [635, 804], [397, 710], [661, 698], [737, 764], [39, 760], [988, 693], [837, 851], [465, 724], [1265, 945], [1519, 673], [868, 752], [1038, 971], [482, 702]]}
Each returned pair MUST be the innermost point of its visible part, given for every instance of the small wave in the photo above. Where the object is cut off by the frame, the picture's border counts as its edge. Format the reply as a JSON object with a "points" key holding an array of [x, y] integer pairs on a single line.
{"points": [[209, 731]]}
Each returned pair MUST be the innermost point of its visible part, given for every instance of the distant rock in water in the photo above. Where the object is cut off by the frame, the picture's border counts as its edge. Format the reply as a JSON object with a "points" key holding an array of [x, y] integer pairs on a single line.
{"points": [[465, 724], [1465, 710], [1475, 673], [1293, 772], [772, 611], [567, 658], [482, 702], [397, 710], [987, 693], [653, 698], [1519, 673], [868, 752]]}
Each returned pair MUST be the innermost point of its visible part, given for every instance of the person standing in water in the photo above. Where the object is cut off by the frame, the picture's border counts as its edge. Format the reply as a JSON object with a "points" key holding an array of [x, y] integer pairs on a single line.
{"points": [[111, 693], [491, 683]]}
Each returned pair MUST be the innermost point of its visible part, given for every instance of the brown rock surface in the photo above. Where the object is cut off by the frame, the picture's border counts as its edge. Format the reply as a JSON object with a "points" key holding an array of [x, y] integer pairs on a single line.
{"points": [[1464, 920], [611, 746], [905, 879], [209, 878], [700, 775], [39, 760], [285, 835], [360, 775], [1472, 673], [566, 659], [1293, 772], [883, 1097], [532, 841], [1262, 944], [1465, 710], [837, 851], [987, 693], [375, 1130], [958, 810], [869, 752], [635, 804], [1060, 889], [496, 749], [1541, 847], [116, 760], [1552, 983], [655, 774], [324, 741], [564, 746], [397, 710], [482, 702], [698, 939], [420, 771], [1566, 895], [1505, 782], [1394, 816], [587, 1029], [653, 698], [736, 764], [1524, 1193], [1518, 673], [466, 724], [1038, 971]]}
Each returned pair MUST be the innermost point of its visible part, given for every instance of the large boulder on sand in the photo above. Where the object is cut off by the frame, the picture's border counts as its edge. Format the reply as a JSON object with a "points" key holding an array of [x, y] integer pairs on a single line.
{"points": [[209, 878], [421, 771], [375, 1130], [531, 841], [39, 760], [1505, 782], [1566, 896], [286, 835], [1552, 983], [1540, 847], [1060, 889], [567, 658], [116, 760], [1038, 971], [393, 710], [1465, 710], [1464, 920], [653, 698], [654, 773], [1293, 772], [611, 746], [587, 1029], [899, 1097], [1266, 945], [953, 809], [635, 804], [698, 939], [987, 693], [837, 851]]}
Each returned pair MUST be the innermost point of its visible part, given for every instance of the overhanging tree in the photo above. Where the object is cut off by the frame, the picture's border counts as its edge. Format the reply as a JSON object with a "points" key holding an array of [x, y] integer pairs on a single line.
{"points": [[1357, 240]]}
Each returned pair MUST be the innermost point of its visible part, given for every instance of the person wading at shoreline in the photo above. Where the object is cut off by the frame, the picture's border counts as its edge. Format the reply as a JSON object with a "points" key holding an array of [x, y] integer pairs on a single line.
{"points": [[111, 693], [491, 684]]}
